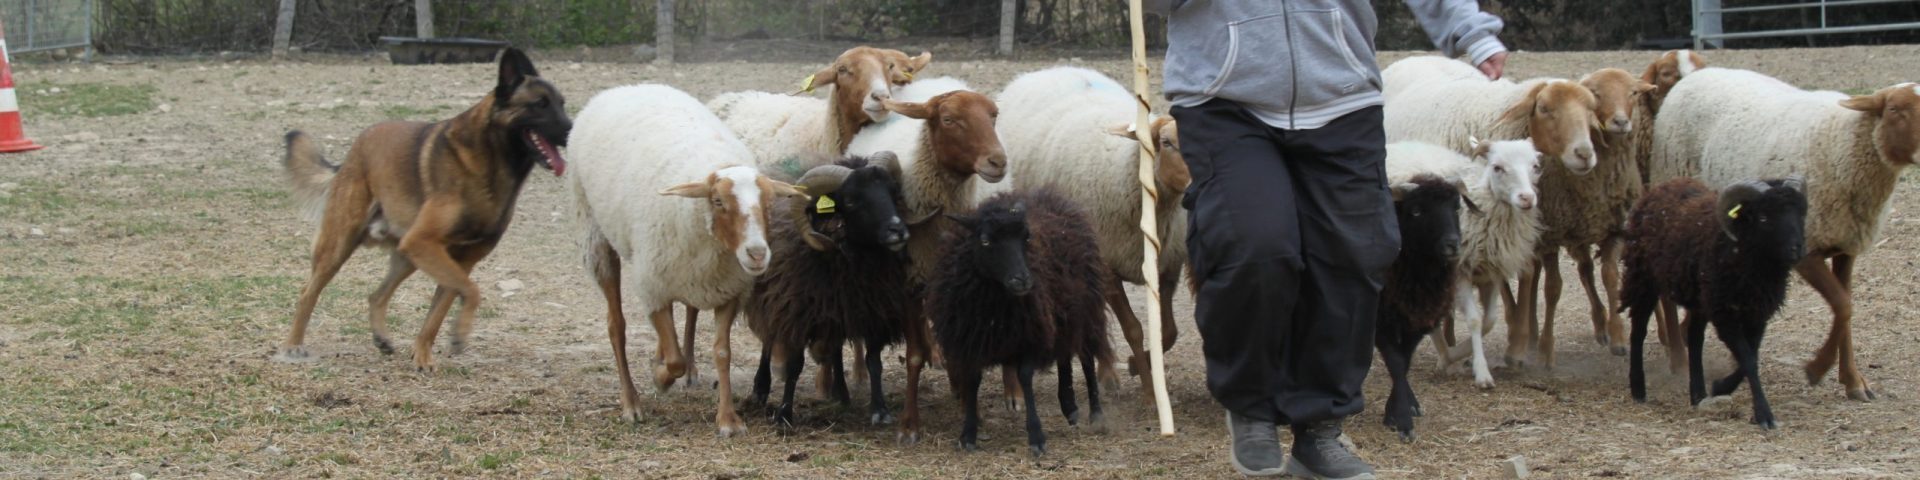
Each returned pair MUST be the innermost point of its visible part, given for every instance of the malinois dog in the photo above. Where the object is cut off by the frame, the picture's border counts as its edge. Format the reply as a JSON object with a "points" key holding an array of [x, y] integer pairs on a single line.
{"points": [[439, 195]]}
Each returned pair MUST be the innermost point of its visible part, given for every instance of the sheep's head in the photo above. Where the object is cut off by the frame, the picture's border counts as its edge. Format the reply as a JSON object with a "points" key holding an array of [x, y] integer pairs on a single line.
{"points": [[1769, 215], [1667, 71], [901, 68], [960, 131], [864, 194], [1170, 168], [1512, 169], [861, 80], [1615, 91], [1428, 208], [737, 199], [1559, 115], [994, 244], [1897, 134]]}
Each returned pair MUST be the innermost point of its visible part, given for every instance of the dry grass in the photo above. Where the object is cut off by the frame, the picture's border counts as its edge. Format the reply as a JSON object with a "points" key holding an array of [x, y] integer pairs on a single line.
{"points": [[135, 327]]}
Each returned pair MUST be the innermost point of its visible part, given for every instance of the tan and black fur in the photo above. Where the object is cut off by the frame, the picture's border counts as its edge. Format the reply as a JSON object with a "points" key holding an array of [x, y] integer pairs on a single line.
{"points": [[439, 195]]}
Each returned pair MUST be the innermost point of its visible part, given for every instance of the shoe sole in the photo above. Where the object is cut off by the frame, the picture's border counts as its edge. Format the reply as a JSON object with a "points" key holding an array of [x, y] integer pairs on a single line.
{"points": [[1299, 470], [1235, 457]]}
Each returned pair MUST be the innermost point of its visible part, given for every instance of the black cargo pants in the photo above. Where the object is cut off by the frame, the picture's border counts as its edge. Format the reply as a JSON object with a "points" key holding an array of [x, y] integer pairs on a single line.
{"points": [[1290, 235]]}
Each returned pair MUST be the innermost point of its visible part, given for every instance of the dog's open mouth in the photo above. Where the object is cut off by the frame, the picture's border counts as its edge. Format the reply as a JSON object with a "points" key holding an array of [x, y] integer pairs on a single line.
{"points": [[549, 156]]}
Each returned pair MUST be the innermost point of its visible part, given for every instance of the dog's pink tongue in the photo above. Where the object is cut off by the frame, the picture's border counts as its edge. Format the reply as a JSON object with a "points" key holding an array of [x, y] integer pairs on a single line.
{"points": [[554, 160]]}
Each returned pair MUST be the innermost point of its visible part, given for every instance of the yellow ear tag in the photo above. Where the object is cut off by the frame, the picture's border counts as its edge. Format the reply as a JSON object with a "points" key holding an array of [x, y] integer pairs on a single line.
{"points": [[806, 84], [1734, 213], [908, 73], [825, 205]]}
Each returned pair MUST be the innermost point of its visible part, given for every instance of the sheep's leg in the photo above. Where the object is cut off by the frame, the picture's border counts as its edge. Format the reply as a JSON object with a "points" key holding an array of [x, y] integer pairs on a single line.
{"points": [[1636, 371], [1036, 436], [1466, 305], [1696, 375], [726, 418], [1750, 363], [1839, 344], [1677, 349], [876, 395], [1116, 296], [1610, 279], [1604, 322], [1409, 345], [1521, 328], [1550, 289], [672, 362], [835, 366], [1481, 376], [966, 385], [1069, 407], [1010, 376], [783, 418], [1399, 414], [910, 419], [1096, 419], [763, 377], [859, 368], [605, 267], [1169, 329], [686, 345]]}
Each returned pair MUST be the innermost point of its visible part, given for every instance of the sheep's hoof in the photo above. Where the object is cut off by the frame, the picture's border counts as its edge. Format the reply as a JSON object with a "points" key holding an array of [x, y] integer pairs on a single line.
{"points": [[1038, 451], [907, 438], [631, 416], [1863, 394], [692, 380], [1013, 405], [967, 446], [1073, 417], [1619, 350], [383, 345], [1407, 437], [456, 346], [1710, 402], [1766, 423], [292, 354], [1097, 423], [1483, 382], [882, 417]]}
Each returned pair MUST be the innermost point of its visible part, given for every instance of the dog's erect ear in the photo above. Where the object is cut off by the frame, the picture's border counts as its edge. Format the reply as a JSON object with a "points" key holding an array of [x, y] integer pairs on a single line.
{"points": [[515, 67]]}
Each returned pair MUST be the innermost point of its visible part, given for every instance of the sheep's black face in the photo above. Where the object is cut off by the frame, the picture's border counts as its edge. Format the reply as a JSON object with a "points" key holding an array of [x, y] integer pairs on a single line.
{"points": [[869, 204], [1774, 221], [1430, 220], [999, 249]]}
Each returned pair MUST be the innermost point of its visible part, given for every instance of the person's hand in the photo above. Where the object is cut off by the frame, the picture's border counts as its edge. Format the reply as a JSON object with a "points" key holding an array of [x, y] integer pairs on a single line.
{"points": [[1495, 66]]}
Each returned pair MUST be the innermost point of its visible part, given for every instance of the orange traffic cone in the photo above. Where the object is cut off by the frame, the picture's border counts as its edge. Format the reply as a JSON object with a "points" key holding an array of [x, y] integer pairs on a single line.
{"points": [[12, 138]]}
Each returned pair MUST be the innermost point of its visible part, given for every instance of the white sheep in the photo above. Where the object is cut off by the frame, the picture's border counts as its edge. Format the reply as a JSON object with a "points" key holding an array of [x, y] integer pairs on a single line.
{"points": [[1061, 118], [668, 194], [786, 132], [1584, 211], [1497, 242], [1723, 126], [1444, 101]]}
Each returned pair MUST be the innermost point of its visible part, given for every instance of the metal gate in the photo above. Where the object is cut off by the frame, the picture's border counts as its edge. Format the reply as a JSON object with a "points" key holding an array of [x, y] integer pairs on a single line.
{"points": [[1707, 26], [47, 24]]}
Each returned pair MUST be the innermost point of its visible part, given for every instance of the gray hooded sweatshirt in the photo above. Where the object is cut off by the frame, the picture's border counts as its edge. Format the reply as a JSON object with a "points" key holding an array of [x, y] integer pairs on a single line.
{"points": [[1299, 64]]}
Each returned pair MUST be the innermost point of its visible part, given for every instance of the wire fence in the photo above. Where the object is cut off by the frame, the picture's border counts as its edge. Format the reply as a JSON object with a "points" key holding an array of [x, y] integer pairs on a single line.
{"points": [[33, 25]]}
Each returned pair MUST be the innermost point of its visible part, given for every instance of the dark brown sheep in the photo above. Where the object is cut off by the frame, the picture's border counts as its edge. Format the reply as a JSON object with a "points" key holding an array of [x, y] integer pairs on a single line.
{"points": [[1418, 295], [1018, 285], [1725, 259]]}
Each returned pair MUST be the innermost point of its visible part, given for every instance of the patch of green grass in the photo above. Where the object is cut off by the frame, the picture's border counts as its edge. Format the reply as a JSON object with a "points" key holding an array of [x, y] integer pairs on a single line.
{"points": [[493, 461], [86, 99], [339, 458], [463, 439], [35, 201], [413, 113], [138, 227]]}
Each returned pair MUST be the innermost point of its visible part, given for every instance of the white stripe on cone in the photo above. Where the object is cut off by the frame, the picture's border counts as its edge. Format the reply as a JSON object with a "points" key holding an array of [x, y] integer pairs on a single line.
{"points": [[8, 101]]}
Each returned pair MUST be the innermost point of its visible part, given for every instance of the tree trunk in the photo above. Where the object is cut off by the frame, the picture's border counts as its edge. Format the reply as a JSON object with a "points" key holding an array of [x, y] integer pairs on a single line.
{"points": [[663, 32], [283, 29], [1007, 15], [423, 18]]}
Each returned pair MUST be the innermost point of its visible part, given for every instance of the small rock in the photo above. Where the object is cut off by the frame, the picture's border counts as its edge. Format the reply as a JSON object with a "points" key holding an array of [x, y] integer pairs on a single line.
{"points": [[797, 457], [63, 231], [368, 104], [512, 284], [37, 232], [273, 450], [136, 476], [1517, 467], [1680, 451], [9, 186], [165, 108], [55, 90], [650, 465]]}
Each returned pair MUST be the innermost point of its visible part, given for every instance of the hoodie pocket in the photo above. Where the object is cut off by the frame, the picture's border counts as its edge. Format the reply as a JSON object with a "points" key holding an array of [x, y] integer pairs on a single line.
{"points": [[1303, 58]]}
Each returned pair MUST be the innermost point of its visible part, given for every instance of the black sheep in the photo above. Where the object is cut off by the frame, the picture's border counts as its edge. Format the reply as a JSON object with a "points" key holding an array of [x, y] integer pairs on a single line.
{"points": [[1018, 285], [837, 274], [1418, 294], [1726, 259]]}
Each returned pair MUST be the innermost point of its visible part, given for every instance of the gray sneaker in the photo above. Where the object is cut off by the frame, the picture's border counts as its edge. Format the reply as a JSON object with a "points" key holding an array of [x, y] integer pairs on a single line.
{"points": [[1256, 447], [1318, 454]]}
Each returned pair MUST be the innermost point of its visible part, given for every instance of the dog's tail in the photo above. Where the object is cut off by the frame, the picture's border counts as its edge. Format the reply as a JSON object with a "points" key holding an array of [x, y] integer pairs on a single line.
{"points": [[308, 174]]}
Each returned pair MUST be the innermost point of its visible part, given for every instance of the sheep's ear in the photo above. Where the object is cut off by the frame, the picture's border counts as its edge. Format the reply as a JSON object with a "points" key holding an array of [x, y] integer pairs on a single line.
{"points": [[1522, 109], [1644, 86], [785, 189], [889, 161], [1122, 130], [1797, 182], [689, 190], [1460, 185], [920, 111], [825, 76], [1872, 104], [914, 222], [1479, 148], [1400, 190], [965, 223]]}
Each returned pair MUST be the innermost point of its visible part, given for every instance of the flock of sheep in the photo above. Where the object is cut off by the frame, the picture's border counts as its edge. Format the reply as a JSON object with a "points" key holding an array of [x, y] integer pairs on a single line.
{"points": [[976, 232]]}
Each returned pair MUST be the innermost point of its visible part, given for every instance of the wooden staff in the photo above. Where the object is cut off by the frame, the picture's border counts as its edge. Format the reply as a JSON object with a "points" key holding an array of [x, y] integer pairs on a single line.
{"points": [[1150, 266]]}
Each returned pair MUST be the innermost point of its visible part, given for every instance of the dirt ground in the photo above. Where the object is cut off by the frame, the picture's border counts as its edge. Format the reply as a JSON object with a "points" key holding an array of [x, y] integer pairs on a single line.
{"points": [[150, 257]]}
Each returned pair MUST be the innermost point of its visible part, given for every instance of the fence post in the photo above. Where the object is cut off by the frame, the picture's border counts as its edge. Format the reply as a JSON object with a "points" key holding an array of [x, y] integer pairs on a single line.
{"points": [[1706, 22], [1008, 14], [283, 29], [663, 32], [423, 18]]}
